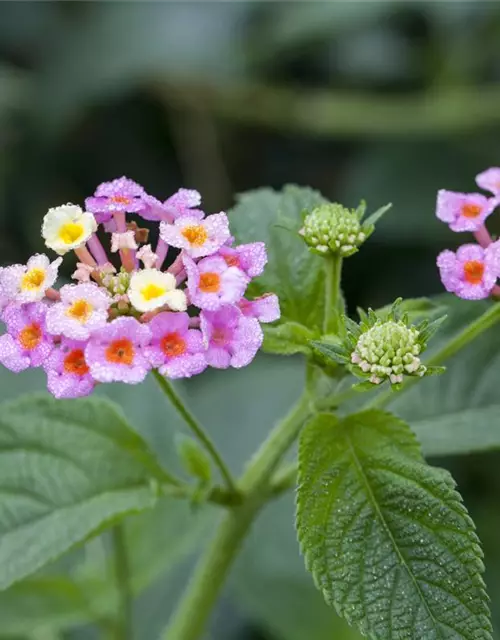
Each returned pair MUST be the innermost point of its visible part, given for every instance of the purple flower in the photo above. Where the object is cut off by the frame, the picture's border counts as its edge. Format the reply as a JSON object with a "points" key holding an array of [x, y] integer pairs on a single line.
{"points": [[176, 350], [489, 180], [27, 343], [197, 237], [232, 340], [68, 374], [118, 196], [83, 309], [464, 211], [265, 309], [180, 204], [470, 273], [115, 353], [211, 283], [250, 258]]}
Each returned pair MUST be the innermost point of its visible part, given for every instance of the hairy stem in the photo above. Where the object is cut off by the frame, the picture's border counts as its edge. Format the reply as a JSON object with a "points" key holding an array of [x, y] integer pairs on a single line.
{"points": [[333, 271], [196, 428], [122, 575], [202, 592]]}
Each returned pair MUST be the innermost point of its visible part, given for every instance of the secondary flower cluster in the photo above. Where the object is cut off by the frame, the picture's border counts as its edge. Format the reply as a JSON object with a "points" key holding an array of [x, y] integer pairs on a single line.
{"points": [[472, 271], [117, 322], [382, 347]]}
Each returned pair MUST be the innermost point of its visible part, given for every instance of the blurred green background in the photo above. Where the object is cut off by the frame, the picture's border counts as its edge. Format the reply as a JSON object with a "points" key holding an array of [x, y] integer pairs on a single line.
{"points": [[382, 100]]}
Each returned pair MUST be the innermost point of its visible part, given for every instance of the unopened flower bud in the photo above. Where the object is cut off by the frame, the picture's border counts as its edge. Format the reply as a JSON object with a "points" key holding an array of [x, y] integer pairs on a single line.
{"points": [[331, 228]]}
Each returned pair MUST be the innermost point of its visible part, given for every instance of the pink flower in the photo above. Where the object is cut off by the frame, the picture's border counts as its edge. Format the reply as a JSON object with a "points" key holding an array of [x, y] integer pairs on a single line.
{"points": [[232, 340], [181, 203], [265, 309], [464, 211], [115, 353], [27, 343], [68, 374], [197, 237], [82, 310], [176, 350], [211, 283], [489, 180], [470, 273], [83, 272], [250, 258], [121, 195]]}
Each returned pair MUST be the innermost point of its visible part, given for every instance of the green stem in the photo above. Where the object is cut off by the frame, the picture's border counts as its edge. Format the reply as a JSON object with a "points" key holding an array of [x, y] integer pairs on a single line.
{"points": [[333, 272], [191, 617], [122, 576], [196, 428], [461, 340]]}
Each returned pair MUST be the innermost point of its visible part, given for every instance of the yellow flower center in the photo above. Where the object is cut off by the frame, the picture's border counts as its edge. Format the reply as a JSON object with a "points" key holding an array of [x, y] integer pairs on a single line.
{"points": [[71, 232], [195, 235], [33, 279], [80, 310], [152, 291]]}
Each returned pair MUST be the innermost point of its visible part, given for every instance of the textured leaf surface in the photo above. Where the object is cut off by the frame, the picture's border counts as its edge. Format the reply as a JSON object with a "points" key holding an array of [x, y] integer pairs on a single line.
{"points": [[66, 469], [386, 537], [287, 339], [293, 272]]}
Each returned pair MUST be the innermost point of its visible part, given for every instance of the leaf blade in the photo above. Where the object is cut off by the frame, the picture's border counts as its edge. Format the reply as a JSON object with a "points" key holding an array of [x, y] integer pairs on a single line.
{"points": [[67, 469], [364, 479]]}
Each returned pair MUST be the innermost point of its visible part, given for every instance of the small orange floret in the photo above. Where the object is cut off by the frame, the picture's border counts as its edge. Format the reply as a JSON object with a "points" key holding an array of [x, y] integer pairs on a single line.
{"points": [[195, 235], [31, 336], [473, 271], [75, 363], [120, 199], [80, 310], [209, 282], [173, 345], [232, 261], [471, 210], [120, 351]]}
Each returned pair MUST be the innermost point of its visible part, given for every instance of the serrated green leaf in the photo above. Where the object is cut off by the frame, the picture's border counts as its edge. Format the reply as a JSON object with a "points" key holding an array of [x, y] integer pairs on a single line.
{"points": [[67, 468], [293, 272], [386, 536], [194, 459], [330, 352], [287, 338]]}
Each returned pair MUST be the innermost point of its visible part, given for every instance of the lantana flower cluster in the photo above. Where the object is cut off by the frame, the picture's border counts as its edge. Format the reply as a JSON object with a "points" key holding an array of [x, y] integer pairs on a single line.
{"points": [[472, 271], [178, 308]]}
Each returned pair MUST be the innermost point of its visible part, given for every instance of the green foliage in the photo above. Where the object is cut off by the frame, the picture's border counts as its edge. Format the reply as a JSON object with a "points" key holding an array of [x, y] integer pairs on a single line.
{"points": [[293, 272], [68, 469], [194, 459], [386, 536], [287, 338]]}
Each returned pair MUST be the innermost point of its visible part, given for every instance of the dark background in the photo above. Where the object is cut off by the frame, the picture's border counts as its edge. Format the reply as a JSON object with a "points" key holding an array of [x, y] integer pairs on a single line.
{"points": [[387, 101]]}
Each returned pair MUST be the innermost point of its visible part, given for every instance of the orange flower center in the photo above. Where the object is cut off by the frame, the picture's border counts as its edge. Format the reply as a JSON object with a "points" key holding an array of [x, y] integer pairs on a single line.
{"points": [[232, 261], [473, 271], [75, 363], [120, 351], [195, 235], [31, 336], [209, 282], [80, 310], [471, 210], [120, 199], [173, 345]]}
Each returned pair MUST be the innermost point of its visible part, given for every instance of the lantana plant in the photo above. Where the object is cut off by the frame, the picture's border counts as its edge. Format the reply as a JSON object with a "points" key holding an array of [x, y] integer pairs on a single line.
{"points": [[163, 288]]}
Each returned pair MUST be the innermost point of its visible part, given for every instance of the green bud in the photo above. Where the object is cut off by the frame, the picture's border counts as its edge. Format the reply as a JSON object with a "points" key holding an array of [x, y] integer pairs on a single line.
{"points": [[331, 228]]}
